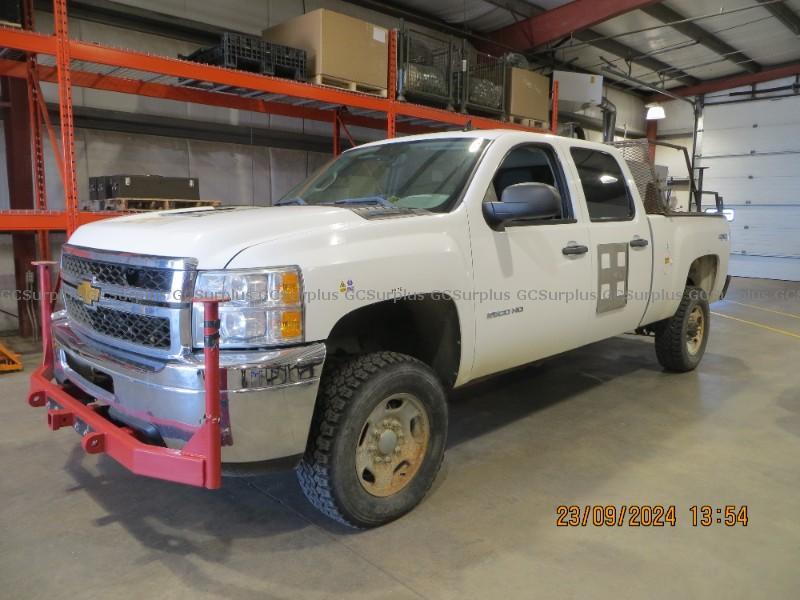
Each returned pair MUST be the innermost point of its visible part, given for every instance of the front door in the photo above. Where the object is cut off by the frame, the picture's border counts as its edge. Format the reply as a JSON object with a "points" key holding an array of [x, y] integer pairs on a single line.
{"points": [[526, 299], [620, 244]]}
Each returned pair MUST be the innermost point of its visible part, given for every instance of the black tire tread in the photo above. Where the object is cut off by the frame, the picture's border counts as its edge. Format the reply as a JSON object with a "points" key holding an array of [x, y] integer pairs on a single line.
{"points": [[339, 383], [669, 340]]}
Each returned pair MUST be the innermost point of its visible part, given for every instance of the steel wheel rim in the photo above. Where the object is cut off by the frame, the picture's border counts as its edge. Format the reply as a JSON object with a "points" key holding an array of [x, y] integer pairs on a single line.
{"points": [[392, 444], [695, 330]]}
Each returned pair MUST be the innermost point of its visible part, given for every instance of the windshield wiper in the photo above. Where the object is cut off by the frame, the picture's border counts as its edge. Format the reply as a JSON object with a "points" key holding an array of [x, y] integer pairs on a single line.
{"points": [[291, 201], [379, 200]]}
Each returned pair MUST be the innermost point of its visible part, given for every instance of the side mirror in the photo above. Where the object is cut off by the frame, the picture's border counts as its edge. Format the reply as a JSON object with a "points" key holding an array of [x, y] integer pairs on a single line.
{"points": [[523, 202]]}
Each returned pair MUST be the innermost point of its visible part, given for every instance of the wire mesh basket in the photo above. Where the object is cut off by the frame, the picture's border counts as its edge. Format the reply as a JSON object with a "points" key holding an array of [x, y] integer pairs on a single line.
{"points": [[637, 155], [425, 65], [481, 82]]}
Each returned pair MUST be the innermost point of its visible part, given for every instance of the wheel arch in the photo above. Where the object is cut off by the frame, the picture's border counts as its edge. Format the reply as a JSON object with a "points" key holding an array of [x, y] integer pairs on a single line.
{"points": [[425, 326], [703, 272]]}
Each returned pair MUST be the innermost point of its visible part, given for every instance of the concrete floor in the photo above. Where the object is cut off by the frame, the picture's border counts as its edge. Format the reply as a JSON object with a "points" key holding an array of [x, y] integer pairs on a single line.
{"points": [[600, 425]]}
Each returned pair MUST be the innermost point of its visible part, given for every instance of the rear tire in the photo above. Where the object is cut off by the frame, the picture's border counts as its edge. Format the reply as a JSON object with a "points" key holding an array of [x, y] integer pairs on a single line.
{"points": [[681, 340], [377, 439]]}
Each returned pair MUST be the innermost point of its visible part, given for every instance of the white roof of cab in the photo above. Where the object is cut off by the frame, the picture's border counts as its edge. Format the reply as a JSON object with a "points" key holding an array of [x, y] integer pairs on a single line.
{"points": [[493, 134]]}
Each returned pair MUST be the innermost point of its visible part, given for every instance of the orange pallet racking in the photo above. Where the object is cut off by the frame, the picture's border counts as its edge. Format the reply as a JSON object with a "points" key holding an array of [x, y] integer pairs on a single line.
{"points": [[66, 62]]}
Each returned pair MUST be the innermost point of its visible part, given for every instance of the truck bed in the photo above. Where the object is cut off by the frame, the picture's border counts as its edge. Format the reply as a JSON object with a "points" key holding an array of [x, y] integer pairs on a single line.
{"points": [[677, 239]]}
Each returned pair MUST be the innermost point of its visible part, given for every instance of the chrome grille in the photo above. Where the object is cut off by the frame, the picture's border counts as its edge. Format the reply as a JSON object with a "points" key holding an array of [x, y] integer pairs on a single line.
{"points": [[144, 330], [117, 274], [135, 302]]}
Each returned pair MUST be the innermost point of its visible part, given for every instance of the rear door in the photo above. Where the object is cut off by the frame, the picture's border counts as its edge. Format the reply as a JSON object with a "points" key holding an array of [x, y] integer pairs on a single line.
{"points": [[620, 244]]}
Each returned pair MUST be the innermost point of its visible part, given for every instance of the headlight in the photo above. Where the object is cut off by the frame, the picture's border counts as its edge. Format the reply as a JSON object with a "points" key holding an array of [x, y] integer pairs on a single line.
{"points": [[265, 307]]}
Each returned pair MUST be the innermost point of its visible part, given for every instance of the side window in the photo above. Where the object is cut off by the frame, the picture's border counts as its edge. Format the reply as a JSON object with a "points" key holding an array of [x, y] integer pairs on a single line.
{"points": [[607, 195], [529, 164]]}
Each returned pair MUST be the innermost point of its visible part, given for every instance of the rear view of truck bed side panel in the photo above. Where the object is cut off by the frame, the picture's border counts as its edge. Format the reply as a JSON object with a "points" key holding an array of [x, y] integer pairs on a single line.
{"points": [[677, 242]]}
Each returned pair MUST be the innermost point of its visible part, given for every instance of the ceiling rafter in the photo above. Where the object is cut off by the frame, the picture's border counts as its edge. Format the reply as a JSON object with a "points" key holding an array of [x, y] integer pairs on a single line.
{"points": [[565, 20], [527, 10], [784, 14], [705, 38], [739, 80]]}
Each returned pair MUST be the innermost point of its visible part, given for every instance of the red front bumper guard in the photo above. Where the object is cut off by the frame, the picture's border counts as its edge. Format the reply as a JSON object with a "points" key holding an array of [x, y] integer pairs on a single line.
{"points": [[197, 463]]}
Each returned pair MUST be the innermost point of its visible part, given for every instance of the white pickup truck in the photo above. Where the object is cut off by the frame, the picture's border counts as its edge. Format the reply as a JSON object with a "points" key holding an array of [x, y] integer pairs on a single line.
{"points": [[400, 270]]}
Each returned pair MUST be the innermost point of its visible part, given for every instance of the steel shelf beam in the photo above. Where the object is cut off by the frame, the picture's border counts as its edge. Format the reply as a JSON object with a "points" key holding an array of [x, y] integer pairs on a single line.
{"points": [[46, 220], [110, 83]]}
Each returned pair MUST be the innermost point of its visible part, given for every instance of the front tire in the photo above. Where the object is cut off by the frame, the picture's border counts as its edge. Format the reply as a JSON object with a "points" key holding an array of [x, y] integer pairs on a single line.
{"points": [[681, 340], [377, 439]]}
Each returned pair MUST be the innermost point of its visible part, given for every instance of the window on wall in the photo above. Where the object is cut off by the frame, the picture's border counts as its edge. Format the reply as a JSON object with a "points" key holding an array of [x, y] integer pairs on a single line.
{"points": [[607, 195]]}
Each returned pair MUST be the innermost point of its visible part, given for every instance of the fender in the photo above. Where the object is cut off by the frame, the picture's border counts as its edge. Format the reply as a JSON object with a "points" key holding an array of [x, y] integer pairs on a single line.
{"points": [[679, 241], [347, 268]]}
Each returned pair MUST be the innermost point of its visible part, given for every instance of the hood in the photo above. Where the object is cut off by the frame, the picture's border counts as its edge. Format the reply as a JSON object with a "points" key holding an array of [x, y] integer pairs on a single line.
{"points": [[212, 236]]}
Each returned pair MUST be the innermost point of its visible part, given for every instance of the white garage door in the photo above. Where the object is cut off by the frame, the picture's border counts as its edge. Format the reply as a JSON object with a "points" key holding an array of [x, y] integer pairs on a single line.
{"points": [[753, 151]]}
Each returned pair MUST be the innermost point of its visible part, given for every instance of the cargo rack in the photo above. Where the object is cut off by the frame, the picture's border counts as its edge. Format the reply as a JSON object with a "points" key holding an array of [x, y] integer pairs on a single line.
{"points": [[37, 57], [425, 67], [638, 155], [480, 83]]}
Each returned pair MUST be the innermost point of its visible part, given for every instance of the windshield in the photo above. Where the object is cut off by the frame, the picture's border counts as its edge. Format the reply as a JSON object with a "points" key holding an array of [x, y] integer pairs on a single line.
{"points": [[422, 174]]}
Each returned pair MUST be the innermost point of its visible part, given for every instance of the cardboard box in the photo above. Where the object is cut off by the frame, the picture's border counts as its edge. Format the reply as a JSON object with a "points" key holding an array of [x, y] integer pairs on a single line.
{"points": [[528, 94], [337, 46]]}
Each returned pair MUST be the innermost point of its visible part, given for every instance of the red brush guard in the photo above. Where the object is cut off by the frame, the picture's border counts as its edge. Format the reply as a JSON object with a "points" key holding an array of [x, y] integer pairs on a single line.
{"points": [[198, 463]]}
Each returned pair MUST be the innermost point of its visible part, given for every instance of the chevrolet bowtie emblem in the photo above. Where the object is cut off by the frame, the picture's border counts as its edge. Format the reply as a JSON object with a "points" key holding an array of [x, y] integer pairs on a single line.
{"points": [[88, 293]]}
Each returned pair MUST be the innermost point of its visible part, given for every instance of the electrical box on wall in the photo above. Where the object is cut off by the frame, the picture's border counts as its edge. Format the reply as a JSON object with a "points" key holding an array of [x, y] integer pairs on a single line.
{"points": [[577, 90]]}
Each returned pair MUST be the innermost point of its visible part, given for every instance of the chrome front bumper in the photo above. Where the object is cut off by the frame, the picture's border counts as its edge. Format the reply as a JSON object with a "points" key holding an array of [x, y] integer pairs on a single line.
{"points": [[267, 397]]}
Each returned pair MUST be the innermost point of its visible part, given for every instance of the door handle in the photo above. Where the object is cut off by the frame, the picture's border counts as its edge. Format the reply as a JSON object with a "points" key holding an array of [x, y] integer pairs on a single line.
{"points": [[574, 249], [639, 243]]}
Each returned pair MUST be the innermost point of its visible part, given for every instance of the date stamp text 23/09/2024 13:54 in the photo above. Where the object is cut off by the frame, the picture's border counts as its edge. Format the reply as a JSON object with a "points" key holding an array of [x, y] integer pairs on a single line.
{"points": [[649, 515]]}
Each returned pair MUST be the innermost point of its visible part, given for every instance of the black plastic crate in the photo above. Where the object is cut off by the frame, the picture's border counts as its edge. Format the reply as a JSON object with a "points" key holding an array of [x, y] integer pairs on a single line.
{"points": [[285, 61], [252, 54], [235, 51]]}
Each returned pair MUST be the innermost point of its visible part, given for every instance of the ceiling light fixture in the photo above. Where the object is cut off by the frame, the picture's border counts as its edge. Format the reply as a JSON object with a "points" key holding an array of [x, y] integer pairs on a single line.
{"points": [[655, 112]]}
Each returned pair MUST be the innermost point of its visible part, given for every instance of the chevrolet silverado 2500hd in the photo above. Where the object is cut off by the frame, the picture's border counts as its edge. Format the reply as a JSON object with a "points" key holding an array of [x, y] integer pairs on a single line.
{"points": [[400, 270]]}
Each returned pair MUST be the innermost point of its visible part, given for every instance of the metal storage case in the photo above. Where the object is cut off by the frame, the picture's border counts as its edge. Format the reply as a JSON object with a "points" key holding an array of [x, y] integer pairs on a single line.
{"points": [[480, 82], [425, 66], [144, 186]]}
